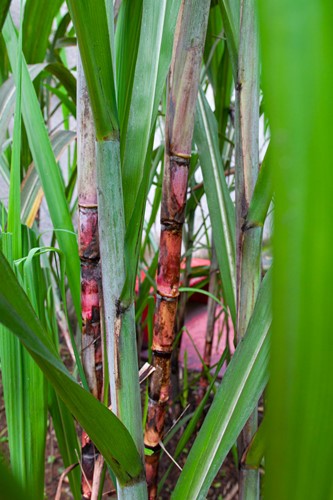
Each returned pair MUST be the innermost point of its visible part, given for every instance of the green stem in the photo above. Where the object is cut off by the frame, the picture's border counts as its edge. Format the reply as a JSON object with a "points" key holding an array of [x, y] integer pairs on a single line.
{"points": [[119, 318], [247, 167]]}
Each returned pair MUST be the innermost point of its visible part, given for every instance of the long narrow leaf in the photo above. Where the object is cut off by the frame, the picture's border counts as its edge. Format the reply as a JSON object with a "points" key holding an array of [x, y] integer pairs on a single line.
{"points": [[4, 8], [262, 194], [90, 19], [154, 55], [108, 433], [38, 18], [241, 387], [31, 190], [298, 81], [47, 168], [230, 10], [220, 205]]}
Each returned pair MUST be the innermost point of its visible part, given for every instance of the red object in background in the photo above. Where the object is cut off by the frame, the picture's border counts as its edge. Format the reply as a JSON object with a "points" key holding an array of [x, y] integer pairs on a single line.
{"points": [[194, 337], [196, 324]]}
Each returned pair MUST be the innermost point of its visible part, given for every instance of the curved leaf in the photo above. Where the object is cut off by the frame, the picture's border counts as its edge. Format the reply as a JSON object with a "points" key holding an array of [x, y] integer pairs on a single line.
{"points": [[241, 387], [31, 190], [105, 429], [221, 208], [4, 8], [47, 168], [262, 194], [7, 99], [153, 60], [90, 19], [38, 18]]}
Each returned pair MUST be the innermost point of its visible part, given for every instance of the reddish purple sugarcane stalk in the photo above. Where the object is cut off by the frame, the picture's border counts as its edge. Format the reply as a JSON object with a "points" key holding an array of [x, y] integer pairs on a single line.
{"points": [[92, 356], [182, 94]]}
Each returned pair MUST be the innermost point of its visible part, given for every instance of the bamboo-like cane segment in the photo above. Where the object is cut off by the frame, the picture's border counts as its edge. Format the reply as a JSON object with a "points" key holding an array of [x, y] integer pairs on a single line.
{"points": [[182, 94], [90, 268], [247, 169]]}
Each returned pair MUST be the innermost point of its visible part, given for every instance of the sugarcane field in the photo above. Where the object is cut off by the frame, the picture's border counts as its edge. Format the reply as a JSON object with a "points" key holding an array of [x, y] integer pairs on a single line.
{"points": [[166, 270]]}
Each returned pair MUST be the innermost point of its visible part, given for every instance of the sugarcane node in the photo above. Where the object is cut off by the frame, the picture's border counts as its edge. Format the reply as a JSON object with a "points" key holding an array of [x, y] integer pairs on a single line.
{"points": [[154, 449], [161, 354], [90, 270], [88, 459], [93, 330], [90, 206], [249, 225], [180, 158], [174, 190], [244, 466], [166, 297], [120, 308]]}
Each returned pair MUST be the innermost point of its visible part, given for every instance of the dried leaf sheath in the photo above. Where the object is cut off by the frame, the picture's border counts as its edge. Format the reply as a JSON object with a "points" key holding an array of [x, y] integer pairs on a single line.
{"points": [[182, 95], [90, 268]]}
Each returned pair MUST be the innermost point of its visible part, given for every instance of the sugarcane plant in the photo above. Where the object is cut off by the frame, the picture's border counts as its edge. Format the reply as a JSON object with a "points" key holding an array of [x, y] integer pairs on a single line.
{"points": [[92, 338], [183, 82], [213, 85], [248, 238]]}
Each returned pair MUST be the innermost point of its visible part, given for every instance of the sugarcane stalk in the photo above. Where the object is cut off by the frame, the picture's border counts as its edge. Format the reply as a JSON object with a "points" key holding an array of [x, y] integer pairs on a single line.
{"points": [[183, 85], [248, 246], [91, 341], [119, 317]]}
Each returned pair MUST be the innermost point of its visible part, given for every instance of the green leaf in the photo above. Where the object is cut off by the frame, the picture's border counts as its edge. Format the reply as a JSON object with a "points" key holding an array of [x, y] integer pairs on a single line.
{"points": [[153, 60], [9, 486], [107, 432], [192, 426], [31, 190], [221, 208], [230, 10], [64, 426], [7, 100], [90, 19], [241, 387], [257, 448], [262, 195], [38, 18], [47, 168], [4, 8], [14, 224], [127, 43], [65, 77], [296, 46]]}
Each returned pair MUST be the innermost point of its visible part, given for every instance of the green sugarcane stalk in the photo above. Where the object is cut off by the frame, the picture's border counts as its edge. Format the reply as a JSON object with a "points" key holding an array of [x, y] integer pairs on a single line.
{"points": [[119, 317], [182, 95], [91, 341], [248, 240], [98, 65]]}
